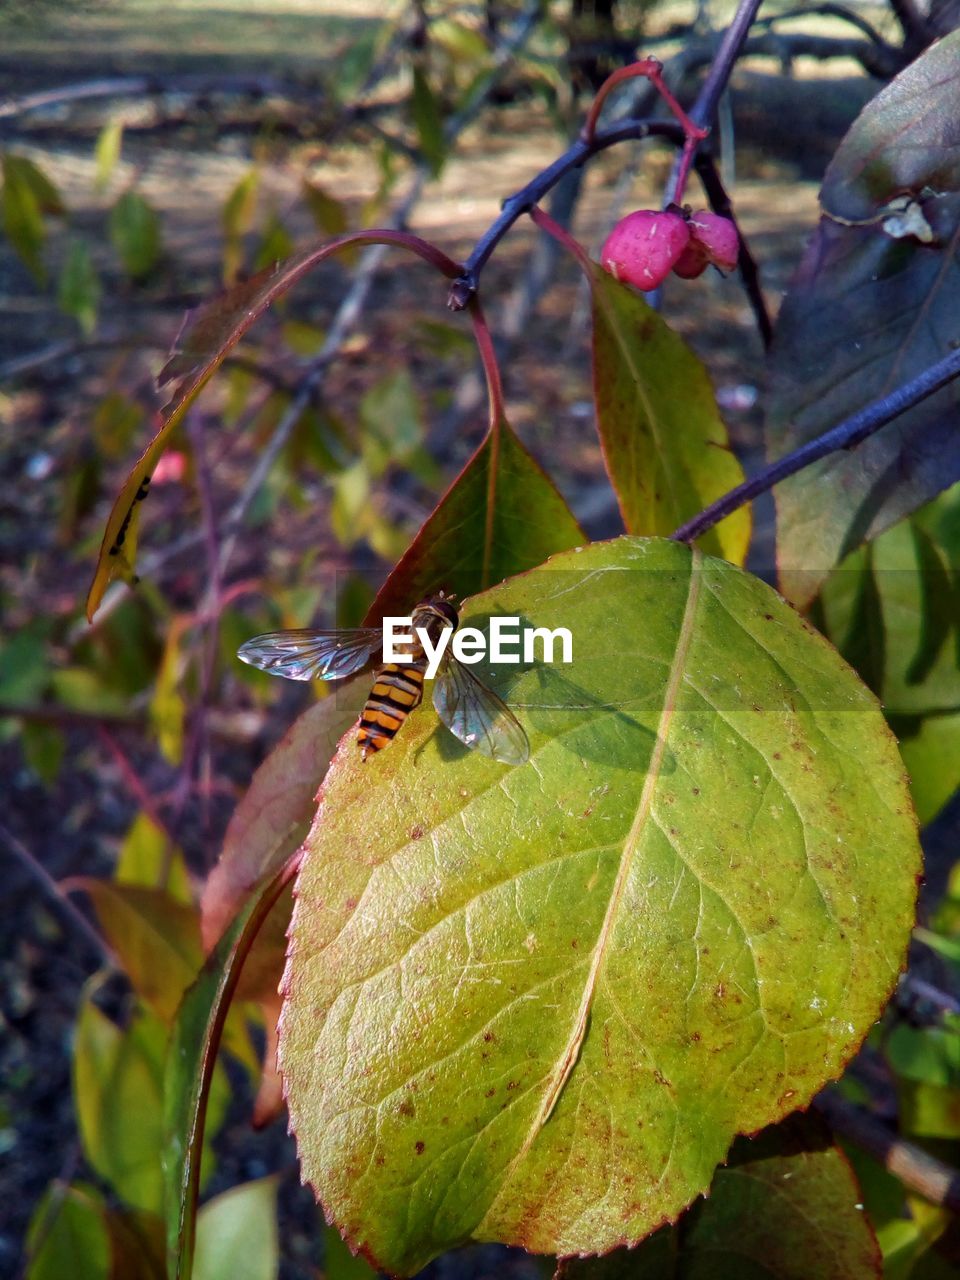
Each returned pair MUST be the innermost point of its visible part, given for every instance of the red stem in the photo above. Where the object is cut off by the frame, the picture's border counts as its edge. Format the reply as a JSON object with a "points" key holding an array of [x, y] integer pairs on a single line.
{"points": [[488, 357]]}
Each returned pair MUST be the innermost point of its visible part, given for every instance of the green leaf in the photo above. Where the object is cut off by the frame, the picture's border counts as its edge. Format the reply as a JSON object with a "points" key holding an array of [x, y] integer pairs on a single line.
{"points": [[536, 1005], [24, 664], [428, 121], [147, 859], [931, 752], [78, 290], [190, 1065], [786, 1208], [156, 938], [168, 708], [328, 213], [237, 1234], [135, 234], [500, 516], [868, 309], [118, 1097], [239, 211], [107, 152], [43, 749], [664, 443], [894, 610], [275, 245], [22, 216], [68, 1236]]}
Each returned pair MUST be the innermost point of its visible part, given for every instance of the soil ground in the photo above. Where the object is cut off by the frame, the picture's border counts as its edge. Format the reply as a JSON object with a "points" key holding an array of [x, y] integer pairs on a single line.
{"points": [[187, 169]]}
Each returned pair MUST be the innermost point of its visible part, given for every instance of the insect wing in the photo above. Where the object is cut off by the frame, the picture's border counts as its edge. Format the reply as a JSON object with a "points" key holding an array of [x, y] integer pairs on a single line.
{"points": [[309, 655], [474, 714]]}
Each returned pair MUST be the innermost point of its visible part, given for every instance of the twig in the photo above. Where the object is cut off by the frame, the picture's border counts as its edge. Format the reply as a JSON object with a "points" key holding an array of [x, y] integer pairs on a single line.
{"points": [[134, 782], [924, 990], [930, 1178], [721, 68], [41, 713], [69, 909], [849, 433], [148, 86], [826, 11], [746, 263]]}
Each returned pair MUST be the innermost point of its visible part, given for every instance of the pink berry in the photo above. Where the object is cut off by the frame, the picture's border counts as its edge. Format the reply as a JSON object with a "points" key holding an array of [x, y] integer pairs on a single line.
{"points": [[718, 238], [643, 247], [692, 262]]}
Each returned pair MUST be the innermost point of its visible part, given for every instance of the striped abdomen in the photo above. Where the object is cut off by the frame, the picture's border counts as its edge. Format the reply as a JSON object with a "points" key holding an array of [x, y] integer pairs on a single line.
{"points": [[396, 691]]}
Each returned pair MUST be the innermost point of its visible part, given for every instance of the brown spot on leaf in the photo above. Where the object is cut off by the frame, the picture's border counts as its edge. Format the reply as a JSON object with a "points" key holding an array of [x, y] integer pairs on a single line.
{"points": [[419, 1147]]}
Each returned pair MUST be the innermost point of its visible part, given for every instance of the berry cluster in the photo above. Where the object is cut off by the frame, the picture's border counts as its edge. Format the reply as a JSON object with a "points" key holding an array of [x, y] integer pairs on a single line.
{"points": [[644, 247]]}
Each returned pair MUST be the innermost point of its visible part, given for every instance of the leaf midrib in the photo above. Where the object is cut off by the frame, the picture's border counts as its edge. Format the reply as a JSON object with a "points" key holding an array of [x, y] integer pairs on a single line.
{"points": [[568, 1059]]}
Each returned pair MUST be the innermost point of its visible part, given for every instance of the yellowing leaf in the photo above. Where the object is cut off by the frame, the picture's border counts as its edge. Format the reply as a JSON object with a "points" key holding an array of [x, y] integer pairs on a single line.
{"points": [[536, 1004], [665, 445]]}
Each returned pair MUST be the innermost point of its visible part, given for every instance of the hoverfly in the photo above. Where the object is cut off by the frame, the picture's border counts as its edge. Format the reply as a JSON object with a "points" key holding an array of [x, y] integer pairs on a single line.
{"points": [[472, 712]]}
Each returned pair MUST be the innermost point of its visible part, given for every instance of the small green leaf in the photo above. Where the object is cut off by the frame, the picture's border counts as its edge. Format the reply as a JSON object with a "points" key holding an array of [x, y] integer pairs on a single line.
{"points": [[22, 217], [118, 1097], [69, 1236], [675, 924], [147, 859], [276, 244], [78, 290], [24, 664], [168, 709], [237, 1234], [238, 214], [135, 234], [328, 213], [428, 120], [107, 152], [43, 748]]}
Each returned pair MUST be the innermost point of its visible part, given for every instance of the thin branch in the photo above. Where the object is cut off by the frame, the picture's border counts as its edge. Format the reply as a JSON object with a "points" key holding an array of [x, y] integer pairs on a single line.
{"points": [[150, 86], [746, 263], [722, 66], [845, 436], [923, 990], [826, 11], [70, 910], [134, 782], [930, 1178]]}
